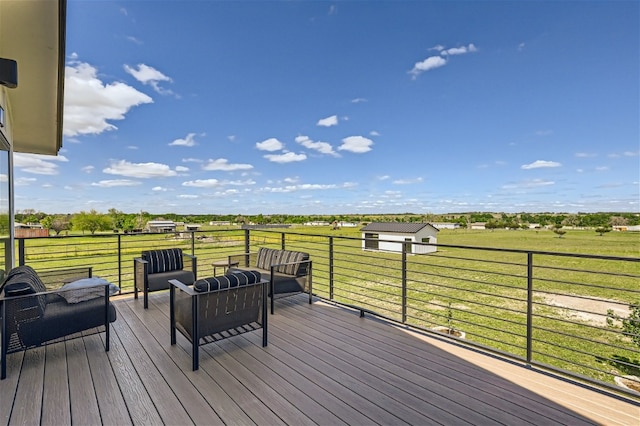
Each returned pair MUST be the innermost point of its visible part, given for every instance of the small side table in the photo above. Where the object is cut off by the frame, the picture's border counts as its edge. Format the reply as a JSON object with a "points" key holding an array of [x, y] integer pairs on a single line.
{"points": [[224, 264]]}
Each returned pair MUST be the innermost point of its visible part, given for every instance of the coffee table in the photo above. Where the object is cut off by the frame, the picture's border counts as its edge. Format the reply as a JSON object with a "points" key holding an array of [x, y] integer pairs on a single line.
{"points": [[224, 264]]}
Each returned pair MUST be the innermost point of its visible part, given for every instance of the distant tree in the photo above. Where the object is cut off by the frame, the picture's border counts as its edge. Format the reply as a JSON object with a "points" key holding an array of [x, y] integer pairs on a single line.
{"points": [[117, 218], [559, 232], [46, 222], [91, 221], [618, 221], [129, 223], [572, 220], [602, 230], [60, 223]]}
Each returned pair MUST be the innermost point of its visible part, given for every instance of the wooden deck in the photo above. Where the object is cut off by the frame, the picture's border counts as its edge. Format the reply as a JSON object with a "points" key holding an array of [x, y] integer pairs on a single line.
{"points": [[323, 365]]}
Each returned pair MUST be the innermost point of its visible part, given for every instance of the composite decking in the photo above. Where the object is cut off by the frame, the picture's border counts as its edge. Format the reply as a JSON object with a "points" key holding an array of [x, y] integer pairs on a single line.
{"points": [[323, 365]]}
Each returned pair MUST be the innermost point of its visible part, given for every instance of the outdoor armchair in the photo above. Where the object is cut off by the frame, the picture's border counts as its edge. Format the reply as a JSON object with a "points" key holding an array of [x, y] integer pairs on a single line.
{"points": [[218, 307], [154, 268]]}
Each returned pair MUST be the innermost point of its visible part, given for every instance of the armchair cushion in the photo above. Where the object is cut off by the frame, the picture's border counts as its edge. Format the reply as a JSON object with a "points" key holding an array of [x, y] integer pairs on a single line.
{"points": [[231, 279], [163, 260]]}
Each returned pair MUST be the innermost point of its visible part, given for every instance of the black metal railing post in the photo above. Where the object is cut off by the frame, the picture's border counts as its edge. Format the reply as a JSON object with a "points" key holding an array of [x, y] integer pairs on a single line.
{"points": [[119, 261], [247, 242], [193, 243], [21, 253], [404, 281], [330, 268], [529, 305], [283, 241]]}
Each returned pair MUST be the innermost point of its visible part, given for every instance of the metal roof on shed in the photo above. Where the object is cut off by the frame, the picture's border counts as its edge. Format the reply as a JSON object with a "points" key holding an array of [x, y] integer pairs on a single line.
{"points": [[401, 228]]}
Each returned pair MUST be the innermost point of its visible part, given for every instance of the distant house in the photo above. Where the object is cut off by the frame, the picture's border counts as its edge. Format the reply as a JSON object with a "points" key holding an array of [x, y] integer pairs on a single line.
{"points": [[190, 227], [160, 226], [478, 225], [446, 225], [390, 236]]}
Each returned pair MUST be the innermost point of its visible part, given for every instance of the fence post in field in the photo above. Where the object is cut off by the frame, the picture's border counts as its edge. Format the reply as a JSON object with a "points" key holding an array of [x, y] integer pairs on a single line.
{"points": [[529, 305]]}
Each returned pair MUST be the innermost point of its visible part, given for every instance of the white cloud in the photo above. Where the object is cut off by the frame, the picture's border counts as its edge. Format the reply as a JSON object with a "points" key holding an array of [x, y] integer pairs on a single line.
{"points": [[187, 141], [357, 144], [159, 189], [222, 164], [358, 100], [115, 183], [374, 133], [322, 147], [428, 64], [202, 183], [584, 155], [182, 169], [408, 181], [191, 160], [433, 62], [139, 170], [89, 104], [151, 76], [328, 122], [188, 196], [538, 164], [521, 47], [271, 144], [459, 50], [288, 157], [533, 183], [37, 164], [88, 169], [23, 181]]}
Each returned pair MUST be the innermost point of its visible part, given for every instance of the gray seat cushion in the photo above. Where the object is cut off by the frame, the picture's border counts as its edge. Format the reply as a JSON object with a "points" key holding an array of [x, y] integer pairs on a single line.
{"points": [[160, 281]]}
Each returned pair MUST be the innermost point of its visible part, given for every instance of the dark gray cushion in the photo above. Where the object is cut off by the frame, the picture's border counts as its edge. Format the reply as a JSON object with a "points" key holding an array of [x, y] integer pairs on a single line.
{"points": [[160, 281], [231, 279]]}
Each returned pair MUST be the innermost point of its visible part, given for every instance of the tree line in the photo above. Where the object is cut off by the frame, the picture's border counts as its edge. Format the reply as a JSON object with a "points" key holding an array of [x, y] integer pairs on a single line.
{"points": [[115, 220]]}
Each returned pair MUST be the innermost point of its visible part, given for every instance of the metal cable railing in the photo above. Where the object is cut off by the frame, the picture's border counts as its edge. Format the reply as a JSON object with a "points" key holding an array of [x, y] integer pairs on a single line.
{"points": [[560, 311]]}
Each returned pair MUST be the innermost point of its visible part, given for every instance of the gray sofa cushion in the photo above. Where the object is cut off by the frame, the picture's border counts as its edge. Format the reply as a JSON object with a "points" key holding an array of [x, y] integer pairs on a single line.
{"points": [[160, 281], [231, 279]]}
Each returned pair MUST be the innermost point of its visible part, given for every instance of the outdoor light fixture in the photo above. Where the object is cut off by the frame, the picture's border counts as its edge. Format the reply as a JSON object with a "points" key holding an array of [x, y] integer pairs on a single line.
{"points": [[8, 73]]}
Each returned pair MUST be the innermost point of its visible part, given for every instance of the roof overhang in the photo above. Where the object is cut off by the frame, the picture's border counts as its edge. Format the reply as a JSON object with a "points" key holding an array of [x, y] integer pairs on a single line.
{"points": [[33, 34]]}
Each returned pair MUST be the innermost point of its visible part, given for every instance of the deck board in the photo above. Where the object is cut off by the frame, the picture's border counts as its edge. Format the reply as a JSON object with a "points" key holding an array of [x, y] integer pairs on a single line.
{"points": [[323, 365], [56, 406]]}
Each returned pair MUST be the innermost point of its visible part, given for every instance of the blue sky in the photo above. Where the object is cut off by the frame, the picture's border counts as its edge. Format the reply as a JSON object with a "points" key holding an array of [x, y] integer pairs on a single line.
{"points": [[313, 107]]}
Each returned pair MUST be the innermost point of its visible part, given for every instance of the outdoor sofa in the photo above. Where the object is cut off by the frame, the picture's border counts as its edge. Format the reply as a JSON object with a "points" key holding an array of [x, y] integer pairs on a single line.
{"points": [[36, 309], [288, 272]]}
